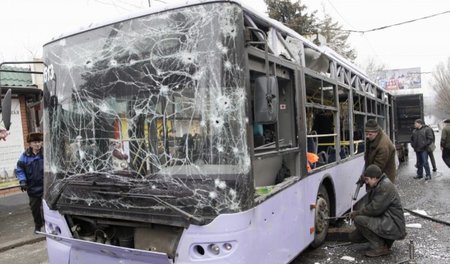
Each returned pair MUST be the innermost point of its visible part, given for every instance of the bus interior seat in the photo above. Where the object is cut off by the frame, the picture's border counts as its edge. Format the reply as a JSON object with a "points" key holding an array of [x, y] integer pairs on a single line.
{"points": [[331, 152], [323, 158], [344, 153], [311, 145]]}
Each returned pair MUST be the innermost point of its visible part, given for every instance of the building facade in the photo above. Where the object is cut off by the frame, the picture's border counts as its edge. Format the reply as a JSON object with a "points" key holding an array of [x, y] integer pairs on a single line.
{"points": [[26, 105]]}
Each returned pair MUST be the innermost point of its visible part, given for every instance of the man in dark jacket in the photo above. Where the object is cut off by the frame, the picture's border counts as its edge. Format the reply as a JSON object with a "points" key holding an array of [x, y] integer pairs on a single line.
{"points": [[421, 140], [379, 150], [30, 172], [380, 221]]}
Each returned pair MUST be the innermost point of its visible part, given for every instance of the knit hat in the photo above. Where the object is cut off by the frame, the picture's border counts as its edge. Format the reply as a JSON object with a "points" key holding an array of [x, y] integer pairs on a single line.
{"points": [[419, 121], [35, 136], [372, 126], [373, 171]]}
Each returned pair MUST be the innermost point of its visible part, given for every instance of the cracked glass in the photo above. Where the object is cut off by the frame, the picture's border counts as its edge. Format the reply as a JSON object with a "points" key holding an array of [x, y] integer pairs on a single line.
{"points": [[146, 118]]}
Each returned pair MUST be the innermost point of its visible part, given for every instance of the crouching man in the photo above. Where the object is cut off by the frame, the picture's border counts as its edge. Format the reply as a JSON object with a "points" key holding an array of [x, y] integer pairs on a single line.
{"points": [[380, 221]]}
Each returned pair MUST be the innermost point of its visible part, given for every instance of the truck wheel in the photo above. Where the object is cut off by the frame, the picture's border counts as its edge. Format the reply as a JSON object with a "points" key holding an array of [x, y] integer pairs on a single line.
{"points": [[321, 223]]}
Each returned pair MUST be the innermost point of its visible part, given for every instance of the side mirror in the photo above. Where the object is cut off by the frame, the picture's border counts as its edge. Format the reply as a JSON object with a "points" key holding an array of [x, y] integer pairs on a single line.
{"points": [[6, 109], [266, 100]]}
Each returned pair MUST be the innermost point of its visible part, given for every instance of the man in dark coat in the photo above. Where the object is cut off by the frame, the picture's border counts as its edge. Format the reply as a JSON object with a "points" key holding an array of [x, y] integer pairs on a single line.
{"points": [[445, 142], [380, 221], [379, 150], [30, 173], [421, 140]]}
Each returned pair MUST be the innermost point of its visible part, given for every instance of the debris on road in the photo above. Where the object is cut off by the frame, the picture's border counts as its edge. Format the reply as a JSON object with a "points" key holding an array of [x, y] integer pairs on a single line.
{"points": [[348, 258], [414, 225], [421, 212]]}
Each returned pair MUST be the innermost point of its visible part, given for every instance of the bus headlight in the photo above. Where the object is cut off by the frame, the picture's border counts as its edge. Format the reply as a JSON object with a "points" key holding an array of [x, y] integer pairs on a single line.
{"points": [[214, 248], [227, 246]]}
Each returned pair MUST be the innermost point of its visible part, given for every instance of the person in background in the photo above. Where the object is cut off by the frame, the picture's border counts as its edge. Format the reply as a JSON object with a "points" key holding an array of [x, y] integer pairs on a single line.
{"points": [[445, 142], [431, 148], [3, 134], [421, 140], [380, 221], [30, 173], [379, 150]]}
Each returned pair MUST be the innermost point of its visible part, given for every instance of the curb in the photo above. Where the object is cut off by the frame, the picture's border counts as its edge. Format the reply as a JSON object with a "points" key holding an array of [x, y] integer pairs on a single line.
{"points": [[5, 191], [21, 242]]}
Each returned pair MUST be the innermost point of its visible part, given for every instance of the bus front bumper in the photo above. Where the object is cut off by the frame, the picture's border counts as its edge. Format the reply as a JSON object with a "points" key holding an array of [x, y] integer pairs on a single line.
{"points": [[81, 251]]}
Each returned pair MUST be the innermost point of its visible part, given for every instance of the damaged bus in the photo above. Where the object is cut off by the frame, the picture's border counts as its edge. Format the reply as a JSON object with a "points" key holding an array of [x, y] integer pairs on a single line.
{"points": [[181, 135]]}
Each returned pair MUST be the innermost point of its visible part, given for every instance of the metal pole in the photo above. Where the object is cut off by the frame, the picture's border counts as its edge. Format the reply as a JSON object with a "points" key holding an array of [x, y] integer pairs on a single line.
{"points": [[412, 259]]}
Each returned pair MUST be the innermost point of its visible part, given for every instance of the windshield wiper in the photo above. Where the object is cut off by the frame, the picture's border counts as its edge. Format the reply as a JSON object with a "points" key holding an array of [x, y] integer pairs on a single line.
{"points": [[189, 217], [74, 180]]}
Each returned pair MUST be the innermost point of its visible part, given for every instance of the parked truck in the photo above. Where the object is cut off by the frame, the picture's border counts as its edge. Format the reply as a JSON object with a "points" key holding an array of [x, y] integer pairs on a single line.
{"points": [[408, 108]]}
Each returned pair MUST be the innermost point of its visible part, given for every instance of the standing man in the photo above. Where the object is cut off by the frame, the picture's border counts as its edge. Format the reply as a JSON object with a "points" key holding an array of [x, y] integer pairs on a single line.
{"points": [[445, 142], [379, 150], [380, 221], [421, 140], [431, 149], [30, 172]]}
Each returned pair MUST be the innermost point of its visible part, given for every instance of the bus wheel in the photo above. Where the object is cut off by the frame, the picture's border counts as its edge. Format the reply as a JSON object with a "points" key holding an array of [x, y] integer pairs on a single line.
{"points": [[321, 223]]}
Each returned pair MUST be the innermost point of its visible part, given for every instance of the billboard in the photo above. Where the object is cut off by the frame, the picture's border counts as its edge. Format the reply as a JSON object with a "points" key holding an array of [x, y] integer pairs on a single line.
{"points": [[400, 79]]}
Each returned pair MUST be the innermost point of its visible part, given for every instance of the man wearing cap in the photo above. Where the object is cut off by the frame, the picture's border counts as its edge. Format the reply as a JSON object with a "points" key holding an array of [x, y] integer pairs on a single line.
{"points": [[445, 142], [421, 140], [379, 150], [30, 172], [380, 221]]}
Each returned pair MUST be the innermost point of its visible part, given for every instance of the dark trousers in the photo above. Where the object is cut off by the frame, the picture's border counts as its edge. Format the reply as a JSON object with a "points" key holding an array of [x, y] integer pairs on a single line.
{"points": [[446, 156], [36, 211], [433, 162], [422, 163], [363, 234]]}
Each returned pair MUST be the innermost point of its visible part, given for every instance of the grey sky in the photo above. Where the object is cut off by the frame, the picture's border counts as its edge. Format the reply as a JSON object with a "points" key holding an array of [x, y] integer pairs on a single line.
{"points": [[422, 43], [25, 25]]}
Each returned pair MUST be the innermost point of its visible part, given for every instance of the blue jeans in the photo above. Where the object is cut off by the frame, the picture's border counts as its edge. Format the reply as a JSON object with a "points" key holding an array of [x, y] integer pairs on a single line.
{"points": [[422, 162]]}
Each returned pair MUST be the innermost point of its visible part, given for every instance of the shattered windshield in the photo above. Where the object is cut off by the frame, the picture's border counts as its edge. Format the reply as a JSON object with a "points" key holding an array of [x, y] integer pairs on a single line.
{"points": [[152, 106]]}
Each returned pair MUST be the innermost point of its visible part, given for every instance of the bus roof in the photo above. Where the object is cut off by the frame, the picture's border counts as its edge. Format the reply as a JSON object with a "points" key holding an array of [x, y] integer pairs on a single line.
{"points": [[136, 14], [254, 14]]}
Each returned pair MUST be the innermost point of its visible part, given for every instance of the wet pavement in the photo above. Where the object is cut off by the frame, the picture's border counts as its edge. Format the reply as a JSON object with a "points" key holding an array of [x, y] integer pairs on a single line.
{"points": [[17, 227], [431, 241]]}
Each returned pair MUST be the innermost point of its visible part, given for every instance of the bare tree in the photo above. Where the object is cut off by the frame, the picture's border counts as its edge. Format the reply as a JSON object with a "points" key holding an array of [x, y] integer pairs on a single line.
{"points": [[441, 85], [373, 69]]}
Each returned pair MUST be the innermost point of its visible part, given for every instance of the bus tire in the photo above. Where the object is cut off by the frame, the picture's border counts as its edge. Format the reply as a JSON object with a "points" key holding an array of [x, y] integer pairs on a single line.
{"points": [[322, 211]]}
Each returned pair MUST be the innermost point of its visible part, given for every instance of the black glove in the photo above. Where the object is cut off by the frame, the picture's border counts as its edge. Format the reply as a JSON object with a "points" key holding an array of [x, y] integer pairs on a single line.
{"points": [[361, 180], [23, 186]]}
